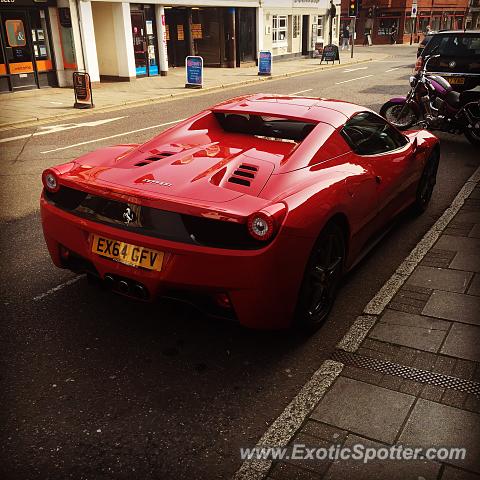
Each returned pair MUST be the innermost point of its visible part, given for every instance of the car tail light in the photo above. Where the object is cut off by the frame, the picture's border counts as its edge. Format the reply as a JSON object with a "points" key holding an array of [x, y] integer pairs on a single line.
{"points": [[223, 300], [50, 180], [264, 224], [419, 64]]}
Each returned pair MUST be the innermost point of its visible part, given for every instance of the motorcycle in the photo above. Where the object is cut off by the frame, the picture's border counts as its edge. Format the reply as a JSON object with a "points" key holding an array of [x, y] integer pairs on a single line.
{"points": [[433, 104]]}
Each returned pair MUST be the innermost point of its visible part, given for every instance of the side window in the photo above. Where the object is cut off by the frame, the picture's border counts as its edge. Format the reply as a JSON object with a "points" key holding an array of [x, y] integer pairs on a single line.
{"points": [[370, 134]]}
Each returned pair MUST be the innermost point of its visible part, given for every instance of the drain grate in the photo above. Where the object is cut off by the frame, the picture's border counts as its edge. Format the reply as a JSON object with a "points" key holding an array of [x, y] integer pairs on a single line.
{"points": [[409, 373]]}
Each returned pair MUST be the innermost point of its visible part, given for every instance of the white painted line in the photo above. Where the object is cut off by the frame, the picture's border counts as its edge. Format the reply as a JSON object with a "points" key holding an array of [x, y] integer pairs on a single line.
{"points": [[112, 136], [60, 128], [301, 91], [392, 69], [348, 70], [291, 419], [353, 79], [57, 288], [56, 103]]}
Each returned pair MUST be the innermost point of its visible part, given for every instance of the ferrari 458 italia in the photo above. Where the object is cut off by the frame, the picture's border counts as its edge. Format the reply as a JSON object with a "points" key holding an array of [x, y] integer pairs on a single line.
{"points": [[252, 209]]}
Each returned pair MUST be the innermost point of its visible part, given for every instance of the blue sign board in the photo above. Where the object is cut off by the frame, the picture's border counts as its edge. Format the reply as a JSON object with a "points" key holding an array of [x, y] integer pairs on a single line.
{"points": [[265, 63], [194, 72]]}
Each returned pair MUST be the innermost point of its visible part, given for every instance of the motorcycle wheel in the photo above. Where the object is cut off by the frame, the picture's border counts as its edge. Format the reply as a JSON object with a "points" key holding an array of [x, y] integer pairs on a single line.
{"points": [[473, 136], [390, 111]]}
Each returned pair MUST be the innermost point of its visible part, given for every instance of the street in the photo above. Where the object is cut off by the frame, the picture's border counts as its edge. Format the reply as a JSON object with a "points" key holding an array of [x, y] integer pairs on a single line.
{"points": [[97, 386]]}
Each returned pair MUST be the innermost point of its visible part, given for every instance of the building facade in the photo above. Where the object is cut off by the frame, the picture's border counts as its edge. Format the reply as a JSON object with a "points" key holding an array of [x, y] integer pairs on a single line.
{"points": [[44, 41], [380, 17]]}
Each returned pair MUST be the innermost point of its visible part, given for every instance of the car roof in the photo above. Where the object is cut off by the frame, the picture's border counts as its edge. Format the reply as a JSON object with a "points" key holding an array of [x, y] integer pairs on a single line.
{"points": [[309, 109], [457, 32]]}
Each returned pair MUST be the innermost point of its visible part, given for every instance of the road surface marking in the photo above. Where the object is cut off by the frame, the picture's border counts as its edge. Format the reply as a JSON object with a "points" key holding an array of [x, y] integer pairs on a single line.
{"points": [[301, 91], [353, 79], [56, 103], [291, 419], [57, 288], [60, 128], [348, 70], [112, 136], [392, 69]]}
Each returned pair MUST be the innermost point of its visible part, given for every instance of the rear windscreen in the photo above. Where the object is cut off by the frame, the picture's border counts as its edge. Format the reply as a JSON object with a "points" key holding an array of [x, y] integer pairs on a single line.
{"points": [[265, 126], [455, 45]]}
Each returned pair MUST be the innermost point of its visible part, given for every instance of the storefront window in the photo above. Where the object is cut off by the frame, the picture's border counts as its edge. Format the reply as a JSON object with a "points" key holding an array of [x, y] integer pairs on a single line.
{"points": [[423, 23], [40, 41], [320, 27], [206, 34], [66, 38], [386, 25], [409, 25], [17, 49], [279, 30]]}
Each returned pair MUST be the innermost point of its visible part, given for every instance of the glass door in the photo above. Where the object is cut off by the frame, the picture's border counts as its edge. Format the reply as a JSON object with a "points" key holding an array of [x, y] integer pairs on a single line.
{"points": [[139, 43], [18, 49], [151, 33]]}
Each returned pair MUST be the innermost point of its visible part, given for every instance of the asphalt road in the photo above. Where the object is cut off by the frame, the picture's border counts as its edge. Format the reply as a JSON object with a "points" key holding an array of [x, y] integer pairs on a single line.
{"points": [[96, 386]]}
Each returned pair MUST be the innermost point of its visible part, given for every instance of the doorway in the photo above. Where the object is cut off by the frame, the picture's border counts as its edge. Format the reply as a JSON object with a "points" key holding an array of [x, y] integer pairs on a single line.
{"points": [[144, 42], [176, 25], [305, 29], [246, 35]]}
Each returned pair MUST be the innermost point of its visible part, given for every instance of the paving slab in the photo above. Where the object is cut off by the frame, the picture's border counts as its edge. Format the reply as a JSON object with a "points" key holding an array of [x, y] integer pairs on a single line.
{"points": [[463, 341], [410, 330], [454, 306], [380, 469], [468, 261], [475, 231], [440, 278], [432, 424], [458, 244], [452, 473], [474, 288], [468, 217], [375, 412]]}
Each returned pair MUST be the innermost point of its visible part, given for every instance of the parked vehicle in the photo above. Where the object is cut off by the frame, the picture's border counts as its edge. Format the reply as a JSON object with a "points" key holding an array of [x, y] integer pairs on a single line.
{"points": [[254, 208], [458, 59], [434, 105], [424, 41]]}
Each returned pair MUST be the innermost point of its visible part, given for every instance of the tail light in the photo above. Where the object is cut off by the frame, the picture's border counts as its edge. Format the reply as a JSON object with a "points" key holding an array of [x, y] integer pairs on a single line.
{"points": [[50, 180], [419, 64], [264, 224]]}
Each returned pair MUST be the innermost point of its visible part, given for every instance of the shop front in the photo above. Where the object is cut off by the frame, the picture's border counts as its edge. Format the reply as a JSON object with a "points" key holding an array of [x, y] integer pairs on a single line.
{"points": [[26, 59], [144, 36]]}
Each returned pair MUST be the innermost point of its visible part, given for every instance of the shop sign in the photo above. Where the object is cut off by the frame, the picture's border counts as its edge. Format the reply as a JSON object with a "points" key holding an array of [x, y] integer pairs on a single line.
{"points": [[20, 67], [330, 54], [82, 88], [265, 62], [194, 72]]}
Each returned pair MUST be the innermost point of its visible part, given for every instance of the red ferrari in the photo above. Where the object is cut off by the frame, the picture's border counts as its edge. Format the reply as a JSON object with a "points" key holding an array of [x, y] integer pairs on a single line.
{"points": [[253, 208]]}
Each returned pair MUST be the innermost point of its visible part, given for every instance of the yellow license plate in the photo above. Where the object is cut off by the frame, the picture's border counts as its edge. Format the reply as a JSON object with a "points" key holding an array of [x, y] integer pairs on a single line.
{"points": [[127, 253], [456, 80]]}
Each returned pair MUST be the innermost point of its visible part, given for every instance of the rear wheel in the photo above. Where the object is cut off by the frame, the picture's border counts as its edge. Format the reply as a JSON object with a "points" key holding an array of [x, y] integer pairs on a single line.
{"points": [[401, 115], [321, 279], [426, 184]]}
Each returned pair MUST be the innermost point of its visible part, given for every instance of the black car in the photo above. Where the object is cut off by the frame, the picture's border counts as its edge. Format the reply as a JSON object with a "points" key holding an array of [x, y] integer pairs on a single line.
{"points": [[459, 58], [424, 42]]}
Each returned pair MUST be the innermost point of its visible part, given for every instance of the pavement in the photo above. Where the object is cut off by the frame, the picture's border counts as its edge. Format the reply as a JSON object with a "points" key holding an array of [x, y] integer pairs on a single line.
{"points": [[406, 373], [30, 106]]}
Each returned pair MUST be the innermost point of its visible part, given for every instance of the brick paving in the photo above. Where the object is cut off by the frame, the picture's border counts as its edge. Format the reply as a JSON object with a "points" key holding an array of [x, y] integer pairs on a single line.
{"points": [[431, 324]]}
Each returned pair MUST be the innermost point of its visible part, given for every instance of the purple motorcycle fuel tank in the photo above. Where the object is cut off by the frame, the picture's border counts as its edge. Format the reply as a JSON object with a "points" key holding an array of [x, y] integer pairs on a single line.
{"points": [[440, 84]]}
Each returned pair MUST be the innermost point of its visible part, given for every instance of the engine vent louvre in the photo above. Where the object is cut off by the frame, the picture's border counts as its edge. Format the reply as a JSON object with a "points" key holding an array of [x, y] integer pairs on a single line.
{"points": [[153, 158], [244, 174]]}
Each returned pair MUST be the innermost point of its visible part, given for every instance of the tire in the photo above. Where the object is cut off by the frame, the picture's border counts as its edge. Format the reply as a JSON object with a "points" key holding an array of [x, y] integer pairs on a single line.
{"points": [[321, 279], [391, 110], [426, 184], [473, 136]]}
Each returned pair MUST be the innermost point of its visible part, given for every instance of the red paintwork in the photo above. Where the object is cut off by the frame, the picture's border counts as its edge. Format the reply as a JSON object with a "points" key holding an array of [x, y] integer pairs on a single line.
{"points": [[316, 180]]}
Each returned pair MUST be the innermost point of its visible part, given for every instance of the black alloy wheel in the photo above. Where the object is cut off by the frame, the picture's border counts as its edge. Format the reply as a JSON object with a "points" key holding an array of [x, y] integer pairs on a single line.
{"points": [[321, 279], [426, 184]]}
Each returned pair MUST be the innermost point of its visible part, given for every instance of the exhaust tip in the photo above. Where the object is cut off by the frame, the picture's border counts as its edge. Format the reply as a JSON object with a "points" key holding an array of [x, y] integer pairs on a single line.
{"points": [[108, 281], [122, 286], [140, 291]]}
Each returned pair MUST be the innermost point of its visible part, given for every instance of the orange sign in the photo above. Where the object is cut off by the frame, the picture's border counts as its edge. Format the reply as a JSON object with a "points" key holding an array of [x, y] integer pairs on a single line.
{"points": [[197, 31], [44, 65], [180, 34], [21, 67], [3, 69]]}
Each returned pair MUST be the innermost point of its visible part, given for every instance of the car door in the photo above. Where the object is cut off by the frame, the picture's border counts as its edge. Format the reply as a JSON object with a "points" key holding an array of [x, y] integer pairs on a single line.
{"points": [[388, 154]]}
